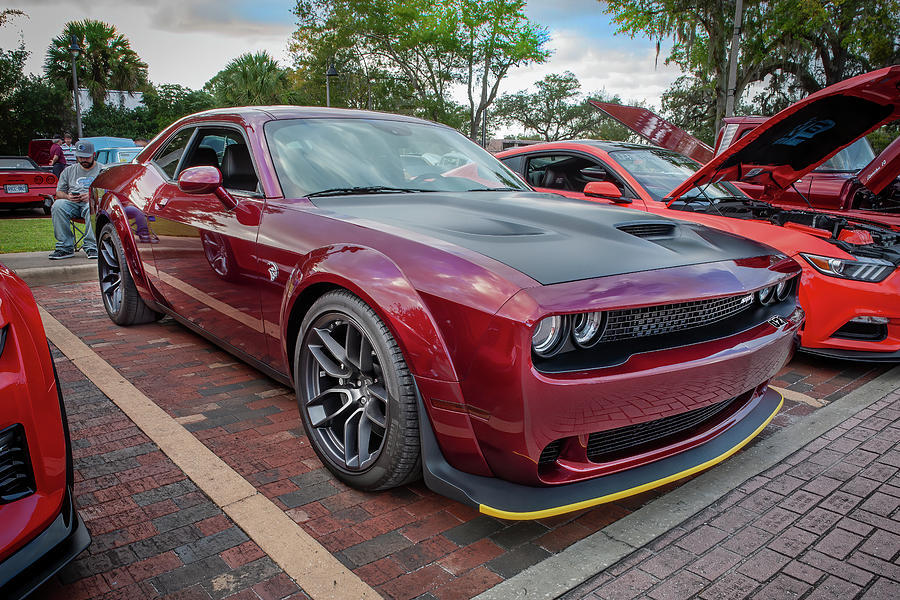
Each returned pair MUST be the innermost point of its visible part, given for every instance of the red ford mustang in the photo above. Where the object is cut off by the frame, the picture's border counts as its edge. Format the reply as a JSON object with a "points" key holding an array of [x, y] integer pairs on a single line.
{"points": [[851, 281], [40, 530], [436, 316], [23, 184]]}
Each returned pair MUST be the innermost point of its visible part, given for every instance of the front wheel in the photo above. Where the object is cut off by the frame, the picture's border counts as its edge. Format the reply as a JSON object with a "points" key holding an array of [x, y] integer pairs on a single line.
{"points": [[121, 300], [356, 396]]}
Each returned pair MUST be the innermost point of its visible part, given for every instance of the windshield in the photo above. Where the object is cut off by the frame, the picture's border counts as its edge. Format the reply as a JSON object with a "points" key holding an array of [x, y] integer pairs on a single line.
{"points": [[315, 156], [17, 163], [661, 171], [851, 159], [124, 156]]}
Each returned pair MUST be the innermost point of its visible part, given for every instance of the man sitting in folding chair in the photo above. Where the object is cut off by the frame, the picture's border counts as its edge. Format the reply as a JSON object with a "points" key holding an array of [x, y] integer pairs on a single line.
{"points": [[72, 203]]}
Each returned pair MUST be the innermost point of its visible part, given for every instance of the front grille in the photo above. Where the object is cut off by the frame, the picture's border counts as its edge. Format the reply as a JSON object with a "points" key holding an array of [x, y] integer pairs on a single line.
{"points": [[16, 475], [648, 230], [667, 318], [607, 445], [869, 332]]}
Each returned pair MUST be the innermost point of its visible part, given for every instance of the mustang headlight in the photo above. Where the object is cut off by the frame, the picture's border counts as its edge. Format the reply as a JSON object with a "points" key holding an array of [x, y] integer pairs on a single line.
{"points": [[549, 336], [861, 269], [587, 328]]}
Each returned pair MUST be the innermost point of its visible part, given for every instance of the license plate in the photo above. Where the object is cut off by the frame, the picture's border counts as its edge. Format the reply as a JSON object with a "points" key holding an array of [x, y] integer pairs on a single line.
{"points": [[16, 188]]}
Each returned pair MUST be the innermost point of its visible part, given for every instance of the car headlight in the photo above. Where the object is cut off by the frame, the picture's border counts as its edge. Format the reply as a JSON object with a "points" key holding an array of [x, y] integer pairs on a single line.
{"points": [[587, 328], [766, 295], [782, 289], [860, 269], [549, 336]]}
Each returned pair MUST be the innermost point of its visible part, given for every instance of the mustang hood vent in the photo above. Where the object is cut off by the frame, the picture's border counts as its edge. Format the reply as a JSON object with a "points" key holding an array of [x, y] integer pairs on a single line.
{"points": [[649, 231]]}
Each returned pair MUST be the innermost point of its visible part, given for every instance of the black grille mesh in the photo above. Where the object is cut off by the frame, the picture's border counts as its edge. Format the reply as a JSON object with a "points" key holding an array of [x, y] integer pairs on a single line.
{"points": [[550, 453], [648, 230], [16, 475], [667, 318], [604, 445]]}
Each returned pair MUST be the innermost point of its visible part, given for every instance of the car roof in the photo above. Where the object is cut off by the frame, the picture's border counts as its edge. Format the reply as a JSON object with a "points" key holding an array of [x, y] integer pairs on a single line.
{"points": [[280, 112]]}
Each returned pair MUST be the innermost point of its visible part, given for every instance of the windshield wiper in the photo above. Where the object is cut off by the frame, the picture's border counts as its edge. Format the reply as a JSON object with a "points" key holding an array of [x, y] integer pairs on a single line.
{"points": [[496, 189], [371, 189]]}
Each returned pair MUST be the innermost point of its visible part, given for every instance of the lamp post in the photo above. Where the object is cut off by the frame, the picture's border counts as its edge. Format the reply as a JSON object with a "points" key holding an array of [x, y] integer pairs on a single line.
{"points": [[75, 49], [331, 72]]}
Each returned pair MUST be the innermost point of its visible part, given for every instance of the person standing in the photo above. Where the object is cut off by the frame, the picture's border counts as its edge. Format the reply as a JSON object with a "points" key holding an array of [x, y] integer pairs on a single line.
{"points": [[72, 203], [68, 148], [57, 158]]}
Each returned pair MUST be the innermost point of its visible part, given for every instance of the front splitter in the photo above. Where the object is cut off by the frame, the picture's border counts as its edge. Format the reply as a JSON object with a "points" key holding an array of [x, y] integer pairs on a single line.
{"points": [[507, 500]]}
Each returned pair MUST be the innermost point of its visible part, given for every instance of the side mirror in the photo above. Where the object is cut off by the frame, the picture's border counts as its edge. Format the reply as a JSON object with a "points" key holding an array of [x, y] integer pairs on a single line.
{"points": [[606, 190], [205, 180]]}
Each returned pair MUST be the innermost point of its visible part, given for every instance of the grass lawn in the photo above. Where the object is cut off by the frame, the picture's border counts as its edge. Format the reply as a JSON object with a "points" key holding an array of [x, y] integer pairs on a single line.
{"points": [[26, 235]]}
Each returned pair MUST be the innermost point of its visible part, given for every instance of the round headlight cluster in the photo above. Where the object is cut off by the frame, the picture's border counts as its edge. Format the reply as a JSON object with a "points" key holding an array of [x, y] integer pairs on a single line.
{"points": [[551, 333], [775, 293]]}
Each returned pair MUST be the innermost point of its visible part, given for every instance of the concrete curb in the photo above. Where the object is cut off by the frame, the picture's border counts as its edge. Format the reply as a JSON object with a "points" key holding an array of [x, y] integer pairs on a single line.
{"points": [[36, 269], [579, 562]]}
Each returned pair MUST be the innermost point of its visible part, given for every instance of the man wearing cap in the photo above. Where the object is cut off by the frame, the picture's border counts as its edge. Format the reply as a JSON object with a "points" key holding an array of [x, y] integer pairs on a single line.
{"points": [[72, 203]]}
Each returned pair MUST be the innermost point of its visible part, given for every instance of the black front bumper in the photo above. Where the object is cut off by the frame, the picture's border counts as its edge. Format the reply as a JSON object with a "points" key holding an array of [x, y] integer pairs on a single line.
{"points": [[42, 557], [855, 355], [508, 500]]}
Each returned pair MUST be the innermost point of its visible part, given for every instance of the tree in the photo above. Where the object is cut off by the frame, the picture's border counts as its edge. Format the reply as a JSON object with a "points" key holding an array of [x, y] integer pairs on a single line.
{"points": [[29, 106], [557, 111], [169, 102], [107, 61], [249, 79], [425, 47]]}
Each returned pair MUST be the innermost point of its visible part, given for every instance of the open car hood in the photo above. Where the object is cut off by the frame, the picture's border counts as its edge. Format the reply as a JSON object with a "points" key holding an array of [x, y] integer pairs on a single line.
{"points": [[883, 169], [657, 130], [807, 133]]}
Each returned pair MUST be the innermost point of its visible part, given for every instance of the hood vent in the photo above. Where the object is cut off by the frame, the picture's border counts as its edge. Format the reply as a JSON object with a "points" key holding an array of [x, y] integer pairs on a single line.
{"points": [[650, 230]]}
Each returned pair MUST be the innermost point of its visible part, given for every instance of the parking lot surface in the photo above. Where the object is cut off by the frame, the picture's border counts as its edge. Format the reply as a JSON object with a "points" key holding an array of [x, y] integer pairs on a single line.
{"points": [[402, 543]]}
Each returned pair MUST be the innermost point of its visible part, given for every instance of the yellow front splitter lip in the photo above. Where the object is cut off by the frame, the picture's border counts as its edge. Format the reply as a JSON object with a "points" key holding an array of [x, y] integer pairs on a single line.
{"points": [[513, 501]]}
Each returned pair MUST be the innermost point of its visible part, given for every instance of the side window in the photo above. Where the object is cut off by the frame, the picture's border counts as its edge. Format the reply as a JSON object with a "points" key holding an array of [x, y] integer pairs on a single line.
{"points": [[226, 150], [167, 158], [558, 172]]}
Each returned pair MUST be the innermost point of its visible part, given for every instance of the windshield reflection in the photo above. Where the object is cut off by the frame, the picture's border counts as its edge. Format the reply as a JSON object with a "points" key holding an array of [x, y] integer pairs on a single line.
{"points": [[345, 156], [661, 171], [851, 159]]}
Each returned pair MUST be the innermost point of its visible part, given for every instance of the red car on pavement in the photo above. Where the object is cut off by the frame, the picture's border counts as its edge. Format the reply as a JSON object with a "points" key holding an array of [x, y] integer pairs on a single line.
{"points": [[436, 316], [40, 530], [850, 285], [23, 184]]}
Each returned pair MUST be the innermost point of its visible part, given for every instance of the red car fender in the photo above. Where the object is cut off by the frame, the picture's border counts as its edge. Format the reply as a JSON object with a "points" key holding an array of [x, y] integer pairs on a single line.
{"points": [[391, 296], [113, 212]]}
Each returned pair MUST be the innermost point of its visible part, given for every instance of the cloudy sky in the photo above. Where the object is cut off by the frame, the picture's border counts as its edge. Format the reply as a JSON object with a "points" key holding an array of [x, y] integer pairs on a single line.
{"points": [[189, 41]]}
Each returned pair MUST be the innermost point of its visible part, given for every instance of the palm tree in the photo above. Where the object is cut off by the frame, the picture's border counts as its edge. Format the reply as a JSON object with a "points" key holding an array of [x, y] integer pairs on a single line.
{"points": [[107, 61], [250, 79]]}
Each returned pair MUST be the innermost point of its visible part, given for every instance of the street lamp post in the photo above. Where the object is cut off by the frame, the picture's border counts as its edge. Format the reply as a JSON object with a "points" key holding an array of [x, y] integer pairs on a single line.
{"points": [[75, 49], [331, 72]]}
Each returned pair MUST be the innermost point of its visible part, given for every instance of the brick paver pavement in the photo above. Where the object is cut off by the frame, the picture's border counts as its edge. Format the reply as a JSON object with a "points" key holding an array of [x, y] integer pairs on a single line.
{"points": [[823, 524], [154, 533]]}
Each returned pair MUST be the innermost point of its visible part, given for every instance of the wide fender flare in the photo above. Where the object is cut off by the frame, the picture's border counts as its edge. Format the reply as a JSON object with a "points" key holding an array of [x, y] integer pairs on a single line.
{"points": [[113, 211], [381, 284]]}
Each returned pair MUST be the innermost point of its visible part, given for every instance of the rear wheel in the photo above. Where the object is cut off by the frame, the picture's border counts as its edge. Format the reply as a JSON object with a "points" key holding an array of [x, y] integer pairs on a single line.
{"points": [[356, 396], [121, 300]]}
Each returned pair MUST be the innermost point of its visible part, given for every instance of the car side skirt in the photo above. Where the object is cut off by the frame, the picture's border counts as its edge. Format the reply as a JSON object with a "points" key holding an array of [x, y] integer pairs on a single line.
{"points": [[857, 355], [512, 501]]}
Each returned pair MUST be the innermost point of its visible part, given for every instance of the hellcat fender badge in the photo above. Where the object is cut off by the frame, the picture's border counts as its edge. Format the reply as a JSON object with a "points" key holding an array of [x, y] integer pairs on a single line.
{"points": [[273, 270]]}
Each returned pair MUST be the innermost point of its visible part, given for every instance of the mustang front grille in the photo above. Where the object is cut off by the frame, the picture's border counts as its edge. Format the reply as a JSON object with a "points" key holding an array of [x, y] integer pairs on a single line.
{"points": [[667, 318], [16, 475], [606, 445]]}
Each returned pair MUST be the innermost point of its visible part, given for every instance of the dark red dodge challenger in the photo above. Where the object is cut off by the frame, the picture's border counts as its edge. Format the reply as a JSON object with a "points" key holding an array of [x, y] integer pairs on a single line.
{"points": [[40, 530], [528, 354]]}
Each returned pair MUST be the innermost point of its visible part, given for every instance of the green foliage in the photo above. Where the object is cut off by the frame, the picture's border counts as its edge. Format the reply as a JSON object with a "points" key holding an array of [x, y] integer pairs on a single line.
{"points": [[556, 111], [789, 48], [407, 55], [118, 121], [30, 107], [250, 79], [168, 102]]}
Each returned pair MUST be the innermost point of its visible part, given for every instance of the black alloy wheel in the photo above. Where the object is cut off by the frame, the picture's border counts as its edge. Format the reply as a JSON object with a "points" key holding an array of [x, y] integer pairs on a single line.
{"points": [[121, 300], [356, 396]]}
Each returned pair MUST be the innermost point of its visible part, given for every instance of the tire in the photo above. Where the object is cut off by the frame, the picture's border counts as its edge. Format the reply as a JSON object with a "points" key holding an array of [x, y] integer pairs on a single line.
{"points": [[121, 300], [350, 378]]}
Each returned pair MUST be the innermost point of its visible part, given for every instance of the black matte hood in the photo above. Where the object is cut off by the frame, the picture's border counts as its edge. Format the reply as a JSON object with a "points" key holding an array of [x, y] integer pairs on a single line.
{"points": [[550, 238]]}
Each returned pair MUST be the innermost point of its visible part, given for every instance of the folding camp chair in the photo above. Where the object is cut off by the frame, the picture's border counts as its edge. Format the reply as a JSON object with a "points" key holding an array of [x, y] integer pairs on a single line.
{"points": [[79, 230]]}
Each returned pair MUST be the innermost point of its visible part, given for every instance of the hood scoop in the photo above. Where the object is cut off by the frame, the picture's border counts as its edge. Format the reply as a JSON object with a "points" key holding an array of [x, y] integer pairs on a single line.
{"points": [[651, 230]]}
